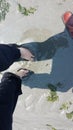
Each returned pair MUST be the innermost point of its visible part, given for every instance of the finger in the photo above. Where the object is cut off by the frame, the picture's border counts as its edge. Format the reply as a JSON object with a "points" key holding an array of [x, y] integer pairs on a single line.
{"points": [[32, 58]]}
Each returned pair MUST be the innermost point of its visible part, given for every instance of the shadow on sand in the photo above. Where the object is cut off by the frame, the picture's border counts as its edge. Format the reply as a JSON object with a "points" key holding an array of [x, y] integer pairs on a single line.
{"points": [[59, 48]]}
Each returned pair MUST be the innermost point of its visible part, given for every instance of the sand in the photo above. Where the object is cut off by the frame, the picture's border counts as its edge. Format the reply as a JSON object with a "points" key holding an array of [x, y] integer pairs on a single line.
{"points": [[33, 110]]}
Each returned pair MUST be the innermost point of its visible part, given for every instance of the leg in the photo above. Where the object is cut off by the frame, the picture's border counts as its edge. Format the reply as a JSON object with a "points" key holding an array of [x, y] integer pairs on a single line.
{"points": [[10, 89]]}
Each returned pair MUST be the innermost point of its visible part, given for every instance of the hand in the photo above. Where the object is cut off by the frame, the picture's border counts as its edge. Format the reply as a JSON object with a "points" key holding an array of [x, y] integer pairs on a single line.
{"points": [[22, 73], [26, 54]]}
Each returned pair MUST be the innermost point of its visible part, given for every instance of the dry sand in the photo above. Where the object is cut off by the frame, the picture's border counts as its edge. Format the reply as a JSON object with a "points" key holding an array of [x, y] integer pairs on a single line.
{"points": [[33, 111]]}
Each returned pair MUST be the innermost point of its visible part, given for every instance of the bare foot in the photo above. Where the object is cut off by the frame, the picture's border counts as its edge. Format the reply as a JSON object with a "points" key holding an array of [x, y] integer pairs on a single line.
{"points": [[22, 73], [26, 54]]}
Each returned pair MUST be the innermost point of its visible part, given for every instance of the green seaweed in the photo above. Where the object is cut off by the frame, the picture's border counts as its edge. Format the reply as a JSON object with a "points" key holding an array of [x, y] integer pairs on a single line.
{"points": [[4, 9], [53, 94], [69, 115], [65, 106], [52, 97], [52, 87], [26, 11], [52, 128]]}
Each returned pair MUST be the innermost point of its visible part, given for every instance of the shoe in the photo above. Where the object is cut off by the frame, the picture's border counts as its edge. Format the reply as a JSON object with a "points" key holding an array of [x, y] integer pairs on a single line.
{"points": [[68, 21]]}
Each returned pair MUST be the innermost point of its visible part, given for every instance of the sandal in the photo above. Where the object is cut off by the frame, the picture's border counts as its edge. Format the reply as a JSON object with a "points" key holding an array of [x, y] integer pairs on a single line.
{"points": [[68, 21]]}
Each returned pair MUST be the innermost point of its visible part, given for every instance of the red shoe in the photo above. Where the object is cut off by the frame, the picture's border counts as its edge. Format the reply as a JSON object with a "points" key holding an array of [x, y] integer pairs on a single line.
{"points": [[68, 21]]}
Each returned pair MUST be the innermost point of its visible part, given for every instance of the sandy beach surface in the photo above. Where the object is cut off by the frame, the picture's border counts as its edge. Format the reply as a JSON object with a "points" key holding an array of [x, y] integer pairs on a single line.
{"points": [[47, 99]]}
